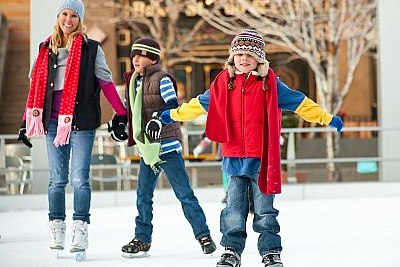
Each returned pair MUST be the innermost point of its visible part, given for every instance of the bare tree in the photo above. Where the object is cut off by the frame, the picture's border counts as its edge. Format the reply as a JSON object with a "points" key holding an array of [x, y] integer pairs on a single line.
{"points": [[314, 30], [174, 23], [317, 31]]}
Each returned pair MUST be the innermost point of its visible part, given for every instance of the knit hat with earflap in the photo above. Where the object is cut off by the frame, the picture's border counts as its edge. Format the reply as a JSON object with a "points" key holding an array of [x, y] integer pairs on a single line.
{"points": [[76, 5], [147, 47], [251, 43]]}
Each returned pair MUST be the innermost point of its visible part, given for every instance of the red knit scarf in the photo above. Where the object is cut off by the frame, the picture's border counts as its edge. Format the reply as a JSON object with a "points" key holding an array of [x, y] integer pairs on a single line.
{"points": [[37, 92], [218, 124]]}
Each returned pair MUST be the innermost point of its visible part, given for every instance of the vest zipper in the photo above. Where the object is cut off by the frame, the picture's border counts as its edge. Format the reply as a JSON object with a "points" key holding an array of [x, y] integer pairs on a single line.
{"points": [[75, 119]]}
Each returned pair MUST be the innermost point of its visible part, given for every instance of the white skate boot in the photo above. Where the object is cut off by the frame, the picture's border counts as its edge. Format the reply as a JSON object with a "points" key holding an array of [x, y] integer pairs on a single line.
{"points": [[79, 240], [57, 237]]}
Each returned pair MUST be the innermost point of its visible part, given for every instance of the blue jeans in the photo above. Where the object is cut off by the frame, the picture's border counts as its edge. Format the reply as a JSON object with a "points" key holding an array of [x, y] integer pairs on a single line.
{"points": [[80, 149], [174, 169], [234, 216]]}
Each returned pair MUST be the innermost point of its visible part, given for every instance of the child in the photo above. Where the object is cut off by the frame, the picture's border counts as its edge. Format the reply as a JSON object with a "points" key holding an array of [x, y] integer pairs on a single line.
{"points": [[150, 90], [244, 105]]}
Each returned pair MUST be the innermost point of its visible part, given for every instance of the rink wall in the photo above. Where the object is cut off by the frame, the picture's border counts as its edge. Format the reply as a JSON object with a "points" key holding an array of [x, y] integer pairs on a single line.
{"points": [[166, 196]]}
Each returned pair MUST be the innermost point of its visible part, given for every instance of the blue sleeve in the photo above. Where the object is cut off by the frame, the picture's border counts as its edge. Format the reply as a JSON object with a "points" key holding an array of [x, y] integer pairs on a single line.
{"points": [[204, 99], [168, 93], [288, 99], [167, 89]]}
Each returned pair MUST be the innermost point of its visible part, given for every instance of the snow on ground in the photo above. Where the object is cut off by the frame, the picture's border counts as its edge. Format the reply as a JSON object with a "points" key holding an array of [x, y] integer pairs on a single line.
{"points": [[353, 232]]}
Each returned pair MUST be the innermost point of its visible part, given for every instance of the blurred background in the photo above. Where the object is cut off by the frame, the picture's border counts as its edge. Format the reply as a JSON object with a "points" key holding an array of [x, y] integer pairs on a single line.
{"points": [[342, 54], [340, 197]]}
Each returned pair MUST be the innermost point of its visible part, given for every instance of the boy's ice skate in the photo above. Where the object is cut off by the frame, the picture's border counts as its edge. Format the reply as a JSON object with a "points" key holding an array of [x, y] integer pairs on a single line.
{"points": [[207, 244], [230, 258], [57, 238], [79, 240], [136, 249], [272, 260]]}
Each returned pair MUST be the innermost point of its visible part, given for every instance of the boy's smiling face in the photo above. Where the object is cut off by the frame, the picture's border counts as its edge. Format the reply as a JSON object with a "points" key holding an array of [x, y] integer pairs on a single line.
{"points": [[140, 62], [245, 63]]}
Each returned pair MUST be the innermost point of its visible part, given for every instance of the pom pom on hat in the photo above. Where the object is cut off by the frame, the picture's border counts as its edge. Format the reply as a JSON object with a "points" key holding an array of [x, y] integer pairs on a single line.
{"points": [[251, 43], [147, 47], [76, 5]]}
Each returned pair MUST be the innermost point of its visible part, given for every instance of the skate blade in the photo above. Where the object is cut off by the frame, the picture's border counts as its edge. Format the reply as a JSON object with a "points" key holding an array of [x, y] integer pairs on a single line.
{"points": [[55, 252], [210, 251], [141, 254], [79, 255]]}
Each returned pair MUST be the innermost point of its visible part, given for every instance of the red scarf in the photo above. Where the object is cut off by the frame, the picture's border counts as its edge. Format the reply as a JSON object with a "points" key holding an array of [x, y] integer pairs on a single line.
{"points": [[37, 92], [217, 128]]}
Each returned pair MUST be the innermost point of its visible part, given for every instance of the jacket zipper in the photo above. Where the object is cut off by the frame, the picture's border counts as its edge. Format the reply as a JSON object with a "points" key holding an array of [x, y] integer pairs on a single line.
{"points": [[142, 111], [242, 119]]}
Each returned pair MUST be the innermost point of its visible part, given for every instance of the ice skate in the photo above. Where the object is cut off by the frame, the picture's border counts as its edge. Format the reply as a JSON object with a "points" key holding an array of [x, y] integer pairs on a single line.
{"points": [[272, 260], [230, 258], [136, 249], [57, 237], [79, 240], [207, 244]]}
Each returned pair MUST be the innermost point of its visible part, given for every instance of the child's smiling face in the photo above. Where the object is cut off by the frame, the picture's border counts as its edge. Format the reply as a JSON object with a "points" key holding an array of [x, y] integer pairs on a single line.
{"points": [[245, 63]]}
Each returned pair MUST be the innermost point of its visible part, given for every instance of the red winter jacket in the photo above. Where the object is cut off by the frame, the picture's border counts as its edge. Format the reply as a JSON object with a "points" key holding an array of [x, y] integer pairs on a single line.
{"points": [[246, 121]]}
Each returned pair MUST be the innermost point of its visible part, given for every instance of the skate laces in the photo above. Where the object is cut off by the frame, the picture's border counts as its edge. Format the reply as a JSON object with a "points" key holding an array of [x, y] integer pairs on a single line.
{"points": [[230, 256], [205, 240], [57, 228], [79, 232], [135, 242], [271, 258], [139, 245]]}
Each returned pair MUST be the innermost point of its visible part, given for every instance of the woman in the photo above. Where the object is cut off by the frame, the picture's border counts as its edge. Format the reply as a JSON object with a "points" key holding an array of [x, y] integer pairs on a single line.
{"points": [[64, 104]]}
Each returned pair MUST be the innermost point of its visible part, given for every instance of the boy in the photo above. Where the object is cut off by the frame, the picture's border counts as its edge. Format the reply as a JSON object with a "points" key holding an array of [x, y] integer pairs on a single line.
{"points": [[244, 105], [149, 91]]}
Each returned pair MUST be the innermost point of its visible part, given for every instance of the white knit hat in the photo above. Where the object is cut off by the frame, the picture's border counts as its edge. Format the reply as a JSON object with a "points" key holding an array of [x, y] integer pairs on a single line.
{"points": [[76, 5], [251, 43]]}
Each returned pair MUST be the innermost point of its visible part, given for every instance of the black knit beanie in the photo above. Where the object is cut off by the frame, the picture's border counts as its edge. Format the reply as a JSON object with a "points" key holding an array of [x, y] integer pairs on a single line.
{"points": [[147, 47]]}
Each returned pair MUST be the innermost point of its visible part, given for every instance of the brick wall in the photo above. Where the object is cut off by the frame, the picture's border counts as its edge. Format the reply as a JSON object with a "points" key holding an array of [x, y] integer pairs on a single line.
{"points": [[15, 79]]}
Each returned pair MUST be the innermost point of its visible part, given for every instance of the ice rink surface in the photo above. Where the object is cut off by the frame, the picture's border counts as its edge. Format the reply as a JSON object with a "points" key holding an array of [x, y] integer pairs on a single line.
{"points": [[322, 232]]}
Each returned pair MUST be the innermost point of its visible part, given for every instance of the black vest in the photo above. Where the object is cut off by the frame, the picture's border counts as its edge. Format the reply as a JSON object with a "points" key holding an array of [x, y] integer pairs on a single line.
{"points": [[87, 113]]}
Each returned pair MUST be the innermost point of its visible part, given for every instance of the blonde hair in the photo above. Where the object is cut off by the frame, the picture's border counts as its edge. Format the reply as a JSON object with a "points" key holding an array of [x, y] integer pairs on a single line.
{"points": [[57, 40]]}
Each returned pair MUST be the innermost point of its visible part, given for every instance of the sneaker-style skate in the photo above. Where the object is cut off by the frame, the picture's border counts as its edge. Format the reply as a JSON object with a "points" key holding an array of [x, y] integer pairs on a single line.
{"points": [[207, 244], [79, 240], [57, 238], [272, 260], [136, 249], [230, 258]]}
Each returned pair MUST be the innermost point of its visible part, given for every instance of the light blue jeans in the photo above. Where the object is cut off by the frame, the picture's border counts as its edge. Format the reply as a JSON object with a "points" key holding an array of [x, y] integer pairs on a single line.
{"points": [[174, 169], [234, 215], [80, 150]]}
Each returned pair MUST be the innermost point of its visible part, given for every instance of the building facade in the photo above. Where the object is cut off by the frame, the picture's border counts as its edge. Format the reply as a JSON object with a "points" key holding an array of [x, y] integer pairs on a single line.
{"points": [[193, 76]]}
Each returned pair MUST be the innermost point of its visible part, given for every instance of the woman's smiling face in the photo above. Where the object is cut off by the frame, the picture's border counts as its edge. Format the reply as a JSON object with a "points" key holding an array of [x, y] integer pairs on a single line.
{"points": [[68, 21]]}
